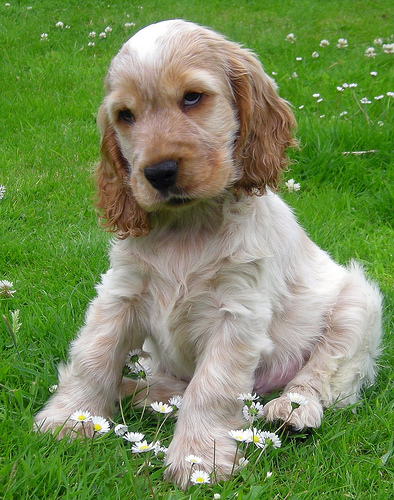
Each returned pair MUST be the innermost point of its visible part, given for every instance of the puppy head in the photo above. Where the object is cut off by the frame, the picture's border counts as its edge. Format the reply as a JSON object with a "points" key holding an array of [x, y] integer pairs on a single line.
{"points": [[187, 116]]}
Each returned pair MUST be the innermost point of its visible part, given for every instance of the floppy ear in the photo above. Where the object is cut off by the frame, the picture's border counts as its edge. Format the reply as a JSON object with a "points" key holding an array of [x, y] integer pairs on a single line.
{"points": [[118, 208], [266, 124]]}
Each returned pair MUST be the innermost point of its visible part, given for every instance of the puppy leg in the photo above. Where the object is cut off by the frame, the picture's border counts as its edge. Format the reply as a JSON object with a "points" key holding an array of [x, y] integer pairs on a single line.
{"points": [[229, 354], [342, 361], [91, 379]]}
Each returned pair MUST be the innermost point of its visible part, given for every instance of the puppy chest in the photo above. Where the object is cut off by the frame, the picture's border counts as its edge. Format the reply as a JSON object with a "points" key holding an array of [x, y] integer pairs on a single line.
{"points": [[170, 329]]}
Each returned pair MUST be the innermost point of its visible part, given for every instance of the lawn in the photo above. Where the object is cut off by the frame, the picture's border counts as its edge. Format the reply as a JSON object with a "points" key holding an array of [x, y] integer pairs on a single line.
{"points": [[53, 251]]}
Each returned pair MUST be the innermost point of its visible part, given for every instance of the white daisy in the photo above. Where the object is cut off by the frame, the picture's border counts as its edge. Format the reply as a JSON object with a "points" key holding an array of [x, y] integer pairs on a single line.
{"points": [[121, 429], [256, 438], [81, 416], [241, 435], [264, 439], [255, 410], [133, 437], [175, 402], [161, 407], [138, 372], [160, 451], [248, 397], [270, 439], [242, 463], [199, 477], [100, 424], [140, 369], [297, 399], [133, 356], [193, 459], [142, 447]]}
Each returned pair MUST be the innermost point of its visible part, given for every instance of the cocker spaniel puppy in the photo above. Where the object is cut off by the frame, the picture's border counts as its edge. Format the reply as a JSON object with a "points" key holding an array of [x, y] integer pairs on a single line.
{"points": [[210, 272]]}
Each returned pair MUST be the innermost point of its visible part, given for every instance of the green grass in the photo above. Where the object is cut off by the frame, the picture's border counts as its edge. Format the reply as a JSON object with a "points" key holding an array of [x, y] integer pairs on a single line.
{"points": [[53, 250]]}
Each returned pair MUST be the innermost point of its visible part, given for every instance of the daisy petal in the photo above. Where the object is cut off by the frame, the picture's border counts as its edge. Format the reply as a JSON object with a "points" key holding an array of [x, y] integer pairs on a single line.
{"points": [[81, 416]]}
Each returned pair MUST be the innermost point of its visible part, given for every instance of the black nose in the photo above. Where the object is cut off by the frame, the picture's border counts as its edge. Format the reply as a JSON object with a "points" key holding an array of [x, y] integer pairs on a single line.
{"points": [[162, 175]]}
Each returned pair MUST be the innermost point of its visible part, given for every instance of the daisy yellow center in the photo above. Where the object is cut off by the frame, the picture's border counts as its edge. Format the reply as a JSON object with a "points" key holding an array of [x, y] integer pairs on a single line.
{"points": [[199, 479], [97, 427], [145, 447], [81, 417], [256, 439]]}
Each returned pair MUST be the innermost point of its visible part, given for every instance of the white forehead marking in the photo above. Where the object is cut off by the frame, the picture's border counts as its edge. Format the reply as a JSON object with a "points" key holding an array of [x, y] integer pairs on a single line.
{"points": [[145, 41]]}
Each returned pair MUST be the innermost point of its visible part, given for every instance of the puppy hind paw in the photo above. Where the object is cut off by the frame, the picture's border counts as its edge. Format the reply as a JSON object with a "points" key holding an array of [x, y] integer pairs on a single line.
{"points": [[308, 415]]}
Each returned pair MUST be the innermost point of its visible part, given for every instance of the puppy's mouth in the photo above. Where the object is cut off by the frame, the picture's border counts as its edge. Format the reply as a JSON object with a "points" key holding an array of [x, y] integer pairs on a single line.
{"points": [[175, 197], [177, 201]]}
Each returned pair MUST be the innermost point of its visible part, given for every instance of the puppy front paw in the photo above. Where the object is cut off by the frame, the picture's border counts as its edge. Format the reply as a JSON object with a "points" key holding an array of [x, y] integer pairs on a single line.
{"points": [[218, 458], [61, 425], [304, 416]]}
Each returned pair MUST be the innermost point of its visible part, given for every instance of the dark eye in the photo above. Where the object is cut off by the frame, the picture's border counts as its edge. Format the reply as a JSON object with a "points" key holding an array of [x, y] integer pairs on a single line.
{"points": [[191, 98], [126, 116]]}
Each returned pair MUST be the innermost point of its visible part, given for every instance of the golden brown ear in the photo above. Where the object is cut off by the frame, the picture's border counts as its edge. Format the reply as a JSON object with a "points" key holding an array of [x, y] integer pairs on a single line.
{"points": [[118, 208], [266, 124]]}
